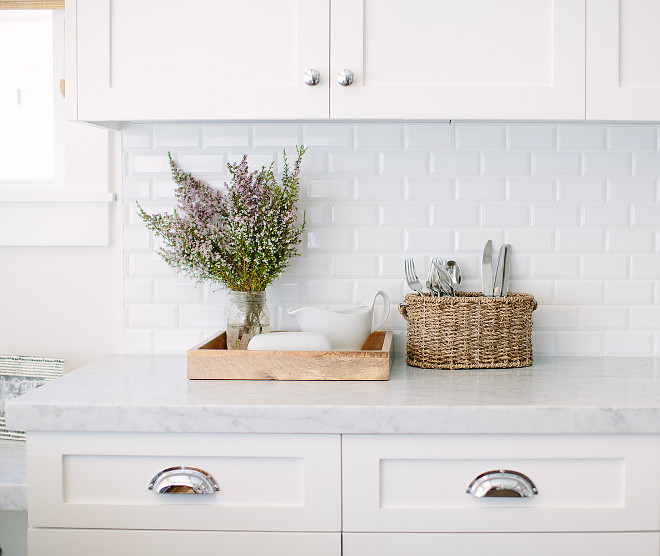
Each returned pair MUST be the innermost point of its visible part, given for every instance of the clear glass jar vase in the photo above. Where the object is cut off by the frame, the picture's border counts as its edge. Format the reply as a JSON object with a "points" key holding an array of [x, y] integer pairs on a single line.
{"points": [[247, 316]]}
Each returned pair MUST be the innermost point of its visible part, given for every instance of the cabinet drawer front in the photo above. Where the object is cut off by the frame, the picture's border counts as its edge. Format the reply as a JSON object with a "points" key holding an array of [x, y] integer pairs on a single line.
{"points": [[77, 542], [266, 482], [501, 544], [419, 483]]}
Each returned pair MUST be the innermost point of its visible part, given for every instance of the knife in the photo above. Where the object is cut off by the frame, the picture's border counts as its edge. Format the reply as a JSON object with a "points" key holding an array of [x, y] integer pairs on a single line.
{"points": [[507, 270], [499, 272], [487, 269]]}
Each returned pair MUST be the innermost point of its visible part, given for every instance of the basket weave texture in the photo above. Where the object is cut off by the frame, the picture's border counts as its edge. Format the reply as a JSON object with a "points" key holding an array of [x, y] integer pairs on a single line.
{"points": [[469, 331]]}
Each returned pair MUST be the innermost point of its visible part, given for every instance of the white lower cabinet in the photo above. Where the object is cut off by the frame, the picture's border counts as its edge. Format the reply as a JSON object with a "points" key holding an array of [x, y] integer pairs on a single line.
{"points": [[315, 494]]}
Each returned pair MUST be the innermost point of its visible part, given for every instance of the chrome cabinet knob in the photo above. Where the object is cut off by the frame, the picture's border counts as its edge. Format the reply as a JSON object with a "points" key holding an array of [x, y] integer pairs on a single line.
{"points": [[502, 483], [312, 77], [183, 480], [345, 77]]}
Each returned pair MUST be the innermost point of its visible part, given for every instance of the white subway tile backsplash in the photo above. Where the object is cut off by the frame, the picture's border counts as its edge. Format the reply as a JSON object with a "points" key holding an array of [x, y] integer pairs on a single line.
{"points": [[480, 189], [578, 202]]}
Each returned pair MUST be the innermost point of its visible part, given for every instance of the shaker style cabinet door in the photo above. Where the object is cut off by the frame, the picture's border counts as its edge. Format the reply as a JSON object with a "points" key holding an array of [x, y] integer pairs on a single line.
{"points": [[476, 59], [201, 59], [623, 60]]}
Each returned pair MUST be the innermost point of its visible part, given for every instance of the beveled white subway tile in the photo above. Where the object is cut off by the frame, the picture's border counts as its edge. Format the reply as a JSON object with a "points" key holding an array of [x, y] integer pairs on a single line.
{"points": [[379, 240], [631, 241], [542, 290], [333, 135], [378, 135], [201, 316], [544, 342], [171, 291], [645, 216], [606, 266], [169, 136], [531, 241], [506, 164], [633, 138], [555, 266], [632, 189], [520, 265], [455, 215], [585, 189], [646, 164], [580, 343], [629, 343], [404, 214], [226, 135], [645, 317], [531, 189], [555, 318], [432, 241], [177, 341], [315, 215], [148, 265], [312, 163], [470, 136], [646, 266], [353, 162], [627, 292], [604, 318], [436, 189], [330, 240], [308, 265], [135, 240], [354, 214], [579, 292], [152, 316], [427, 136], [364, 291], [480, 189], [136, 137], [555, 215], [255, 161], [381, 188], [138, 342], [328, 291], [606, 216], [455, 163], [581, 137], [284, 290], [165, 188], [556, 164], [608, 164], [505, 215], [534, 137], [148, 163], [392, 266], [277, 136], [404, 163], [353, 265], [475, 239], [137, 188], [581, 241], [138, 291], [327, 188], [204, 163]]}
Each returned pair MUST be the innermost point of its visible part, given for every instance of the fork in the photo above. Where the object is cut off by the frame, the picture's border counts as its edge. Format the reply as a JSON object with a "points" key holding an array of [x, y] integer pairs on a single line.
{"points": [[411, 277]]}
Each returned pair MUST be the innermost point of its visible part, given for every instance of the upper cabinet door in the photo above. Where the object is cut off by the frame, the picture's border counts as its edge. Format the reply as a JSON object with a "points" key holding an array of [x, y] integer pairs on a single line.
{"points": [[449, 59], [201, 59], [623, 60]]}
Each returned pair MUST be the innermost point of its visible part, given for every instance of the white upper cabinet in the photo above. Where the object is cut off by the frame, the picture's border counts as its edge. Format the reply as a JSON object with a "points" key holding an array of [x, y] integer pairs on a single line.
{"points": [[201, 59], [623, 60], [468, 59]]}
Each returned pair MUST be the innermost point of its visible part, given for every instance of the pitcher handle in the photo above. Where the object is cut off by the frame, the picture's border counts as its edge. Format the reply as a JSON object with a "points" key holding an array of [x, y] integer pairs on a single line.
{"points": [[386, 308]]}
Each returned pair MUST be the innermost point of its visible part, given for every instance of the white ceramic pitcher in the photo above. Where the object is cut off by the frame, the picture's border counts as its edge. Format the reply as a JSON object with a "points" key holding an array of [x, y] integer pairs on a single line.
{"points": [[346, 329]]}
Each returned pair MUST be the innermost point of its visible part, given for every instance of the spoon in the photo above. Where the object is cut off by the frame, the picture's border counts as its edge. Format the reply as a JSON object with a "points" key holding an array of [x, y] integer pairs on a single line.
{"points": [[455, 272]]}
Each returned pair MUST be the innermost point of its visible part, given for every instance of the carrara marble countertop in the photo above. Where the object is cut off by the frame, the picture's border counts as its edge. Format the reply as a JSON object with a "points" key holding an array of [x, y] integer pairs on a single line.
{"points": [[152, 394], [13, 475]]}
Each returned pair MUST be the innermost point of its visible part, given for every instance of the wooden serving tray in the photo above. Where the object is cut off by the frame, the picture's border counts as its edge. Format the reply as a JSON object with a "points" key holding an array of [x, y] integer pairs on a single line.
{"points": [[212, 360]]}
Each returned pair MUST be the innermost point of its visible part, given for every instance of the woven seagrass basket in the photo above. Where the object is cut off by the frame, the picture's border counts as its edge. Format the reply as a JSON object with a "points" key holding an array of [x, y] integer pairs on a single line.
{"points": [[469, 331]]}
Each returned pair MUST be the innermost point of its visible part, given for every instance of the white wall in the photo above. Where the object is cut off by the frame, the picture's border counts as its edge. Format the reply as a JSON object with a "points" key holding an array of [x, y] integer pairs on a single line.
{"points": [[578, 202]]}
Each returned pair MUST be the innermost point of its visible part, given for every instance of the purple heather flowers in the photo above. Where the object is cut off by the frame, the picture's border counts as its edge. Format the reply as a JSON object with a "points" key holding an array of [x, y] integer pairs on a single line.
{"points": [[242, 237]]}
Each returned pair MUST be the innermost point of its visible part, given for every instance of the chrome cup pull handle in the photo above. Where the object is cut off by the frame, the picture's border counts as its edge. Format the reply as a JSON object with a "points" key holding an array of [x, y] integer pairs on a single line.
{"points": [[183, 480], [502, 483]]}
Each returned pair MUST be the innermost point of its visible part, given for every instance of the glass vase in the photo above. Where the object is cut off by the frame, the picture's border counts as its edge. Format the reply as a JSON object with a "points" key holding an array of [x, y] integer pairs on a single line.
{"points": [[247, 316]]}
